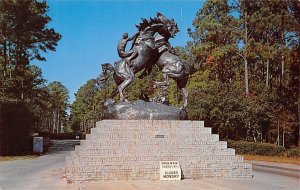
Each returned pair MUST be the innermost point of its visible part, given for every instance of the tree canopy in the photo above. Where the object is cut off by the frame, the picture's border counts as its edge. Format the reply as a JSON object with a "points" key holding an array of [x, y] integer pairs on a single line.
{"points": [[25, 36], [246, 86]]}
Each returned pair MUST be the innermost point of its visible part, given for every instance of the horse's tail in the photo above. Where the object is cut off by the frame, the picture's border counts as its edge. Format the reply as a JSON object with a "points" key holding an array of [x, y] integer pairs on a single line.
{"points": [[107, 68]]}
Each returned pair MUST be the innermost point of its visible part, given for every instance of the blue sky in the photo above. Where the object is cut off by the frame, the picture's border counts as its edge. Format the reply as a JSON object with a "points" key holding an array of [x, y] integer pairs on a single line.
{"points": [[90, 31]]}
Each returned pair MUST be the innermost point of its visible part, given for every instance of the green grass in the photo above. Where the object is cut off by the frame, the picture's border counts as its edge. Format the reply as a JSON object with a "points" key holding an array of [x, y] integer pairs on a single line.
{"points": [[11, 158], [277, 159]]}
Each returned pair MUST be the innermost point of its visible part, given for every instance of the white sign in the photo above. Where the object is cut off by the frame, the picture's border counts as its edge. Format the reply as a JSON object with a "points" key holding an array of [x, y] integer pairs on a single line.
{"points": [[170, 170], [38, 145]]}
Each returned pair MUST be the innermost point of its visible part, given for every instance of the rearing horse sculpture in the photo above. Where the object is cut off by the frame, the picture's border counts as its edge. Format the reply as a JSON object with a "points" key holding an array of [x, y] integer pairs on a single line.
{"points": [[152, 47]]}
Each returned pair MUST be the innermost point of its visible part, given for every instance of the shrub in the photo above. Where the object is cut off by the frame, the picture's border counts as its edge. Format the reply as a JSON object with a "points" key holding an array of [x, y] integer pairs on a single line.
{"points": [[294, 152], [245, 147], [82, 135], [16, 121]]}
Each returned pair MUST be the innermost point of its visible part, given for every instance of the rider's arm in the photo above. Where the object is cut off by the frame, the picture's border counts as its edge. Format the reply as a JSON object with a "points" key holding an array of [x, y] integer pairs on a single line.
{"points": [[132, 37]]}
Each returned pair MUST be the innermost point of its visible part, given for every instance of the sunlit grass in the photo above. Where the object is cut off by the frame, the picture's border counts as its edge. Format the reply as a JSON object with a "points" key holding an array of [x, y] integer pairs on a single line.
{"points": [[10, 158], [278, 159]]}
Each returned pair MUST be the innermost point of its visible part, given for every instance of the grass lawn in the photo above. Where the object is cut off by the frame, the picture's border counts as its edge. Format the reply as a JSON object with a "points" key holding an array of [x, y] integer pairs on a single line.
{"points": [[278, 159], [10, 158]]}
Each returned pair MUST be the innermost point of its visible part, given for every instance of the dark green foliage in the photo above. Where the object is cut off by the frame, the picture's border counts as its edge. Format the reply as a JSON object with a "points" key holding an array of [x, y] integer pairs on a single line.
{"points": [[24, 37], [64, 136], [144, 85], [15, 129], [293, 152], [58, 103], [248, 84], [252, 148], [265, 149], [88, 106], [86, 110]]}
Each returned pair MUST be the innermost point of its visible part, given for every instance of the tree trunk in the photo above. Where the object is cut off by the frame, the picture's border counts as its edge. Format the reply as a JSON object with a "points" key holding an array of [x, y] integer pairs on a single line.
{"points": [[278, 140], [267, 74], [246, 76], [84, 125], [49, 124], [282, 71], [58, 122], [245, 57], [22, 90], [5, 58], [299, 101], [54, 121], [282, 66], [283, 139], [254, 137], [9, 60], [282, 59]]}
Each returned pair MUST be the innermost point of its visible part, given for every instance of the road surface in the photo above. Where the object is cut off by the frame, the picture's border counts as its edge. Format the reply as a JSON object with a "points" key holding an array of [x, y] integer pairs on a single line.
{"points": [[47, 173]]}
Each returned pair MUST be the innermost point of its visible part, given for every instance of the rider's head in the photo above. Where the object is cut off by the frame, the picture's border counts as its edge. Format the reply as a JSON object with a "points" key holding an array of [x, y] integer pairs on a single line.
{"points": [[125, 35]]}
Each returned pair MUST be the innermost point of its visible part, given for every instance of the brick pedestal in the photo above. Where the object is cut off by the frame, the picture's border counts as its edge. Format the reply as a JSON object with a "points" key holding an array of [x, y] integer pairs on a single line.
{"points": [[132, 149]]}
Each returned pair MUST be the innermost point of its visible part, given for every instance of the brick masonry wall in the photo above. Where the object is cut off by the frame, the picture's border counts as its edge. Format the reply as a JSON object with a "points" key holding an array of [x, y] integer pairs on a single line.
{"points": [[132, 150]]}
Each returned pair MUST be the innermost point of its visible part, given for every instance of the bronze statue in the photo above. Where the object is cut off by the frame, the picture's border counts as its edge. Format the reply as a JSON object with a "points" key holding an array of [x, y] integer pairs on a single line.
{"points": [[150, 47], [131, 54]]}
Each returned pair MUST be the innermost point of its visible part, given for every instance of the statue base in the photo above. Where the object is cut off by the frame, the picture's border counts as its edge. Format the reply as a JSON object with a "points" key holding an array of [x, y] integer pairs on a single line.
{"points": [[134, 149], [142, 110]]}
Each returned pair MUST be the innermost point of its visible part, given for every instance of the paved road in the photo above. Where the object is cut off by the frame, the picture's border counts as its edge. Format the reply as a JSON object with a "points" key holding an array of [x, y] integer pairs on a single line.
{"points": [[46, 173], [28, 174]]}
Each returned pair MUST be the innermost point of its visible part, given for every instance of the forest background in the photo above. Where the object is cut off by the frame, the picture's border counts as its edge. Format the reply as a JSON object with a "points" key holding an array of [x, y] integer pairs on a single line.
{"points": [[245, 84]]}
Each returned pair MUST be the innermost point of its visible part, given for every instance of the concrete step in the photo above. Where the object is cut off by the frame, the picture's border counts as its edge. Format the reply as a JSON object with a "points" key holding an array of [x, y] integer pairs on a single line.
{"points": [[152, 130], [132, 149], [158, 152], [149, 172], [141, 123], [178, 143], [88, 161], [150, 150], [155, 166]]}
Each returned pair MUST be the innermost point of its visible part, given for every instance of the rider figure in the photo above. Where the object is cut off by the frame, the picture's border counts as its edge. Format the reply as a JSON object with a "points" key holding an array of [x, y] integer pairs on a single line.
{"points": [[131, 54]]}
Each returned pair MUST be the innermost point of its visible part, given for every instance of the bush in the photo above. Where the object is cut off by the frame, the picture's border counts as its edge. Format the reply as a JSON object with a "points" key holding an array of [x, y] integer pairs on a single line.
{"points": [[64, 136], [266, 149], [15, 129], [82, 135], [294, 152]]}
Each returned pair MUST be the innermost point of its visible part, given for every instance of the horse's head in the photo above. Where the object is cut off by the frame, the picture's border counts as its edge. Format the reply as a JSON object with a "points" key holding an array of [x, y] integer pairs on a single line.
{"points": [[107, 67], [164, 26], [170, 26]]}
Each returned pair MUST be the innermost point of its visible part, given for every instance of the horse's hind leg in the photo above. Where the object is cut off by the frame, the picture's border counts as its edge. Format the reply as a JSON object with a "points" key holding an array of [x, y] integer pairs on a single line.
{"points": [[123, 85], [114, 93], [124, 75], [185, 97], [181, 83], [165, 81]]}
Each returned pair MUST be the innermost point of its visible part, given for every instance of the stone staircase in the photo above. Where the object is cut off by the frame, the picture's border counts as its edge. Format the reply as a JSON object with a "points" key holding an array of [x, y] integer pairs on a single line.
{"points": [[132, 150]]}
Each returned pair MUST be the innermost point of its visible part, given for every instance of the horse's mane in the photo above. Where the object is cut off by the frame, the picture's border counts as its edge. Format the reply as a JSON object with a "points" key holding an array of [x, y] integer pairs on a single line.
{"points": [[170, 25], [145, 23]]}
